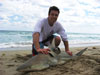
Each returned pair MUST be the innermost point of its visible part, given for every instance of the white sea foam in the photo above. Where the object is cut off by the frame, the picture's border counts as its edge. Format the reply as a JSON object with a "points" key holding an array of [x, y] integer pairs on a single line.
{"points": [[15, 39]]}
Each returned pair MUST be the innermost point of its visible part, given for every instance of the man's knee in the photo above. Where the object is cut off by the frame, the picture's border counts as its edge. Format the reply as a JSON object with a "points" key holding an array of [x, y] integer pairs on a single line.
{"points": [[57, 40]]}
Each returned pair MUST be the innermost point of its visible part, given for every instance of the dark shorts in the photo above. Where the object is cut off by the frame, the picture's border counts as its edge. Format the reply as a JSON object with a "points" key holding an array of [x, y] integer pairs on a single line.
{"points": [[34, 52]]}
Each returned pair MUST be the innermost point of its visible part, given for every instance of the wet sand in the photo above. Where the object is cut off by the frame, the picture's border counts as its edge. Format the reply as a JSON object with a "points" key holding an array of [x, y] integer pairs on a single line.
{"points": [[87, 64]]}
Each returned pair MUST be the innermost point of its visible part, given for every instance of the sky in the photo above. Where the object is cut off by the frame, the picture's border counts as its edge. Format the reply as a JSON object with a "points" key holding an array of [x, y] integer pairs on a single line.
{"points": [[81, 16]]}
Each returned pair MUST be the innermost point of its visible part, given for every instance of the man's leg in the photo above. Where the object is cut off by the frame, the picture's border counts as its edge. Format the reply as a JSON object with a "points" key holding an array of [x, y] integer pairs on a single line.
{"points": [[57, 40]]}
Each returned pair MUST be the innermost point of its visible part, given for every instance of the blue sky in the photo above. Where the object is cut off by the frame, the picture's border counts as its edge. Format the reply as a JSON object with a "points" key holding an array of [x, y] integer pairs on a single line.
{"points": [[75, 15]]}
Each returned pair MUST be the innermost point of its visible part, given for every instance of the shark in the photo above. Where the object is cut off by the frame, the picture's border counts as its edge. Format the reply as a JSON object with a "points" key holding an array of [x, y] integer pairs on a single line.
{"points": [[43, 61]]}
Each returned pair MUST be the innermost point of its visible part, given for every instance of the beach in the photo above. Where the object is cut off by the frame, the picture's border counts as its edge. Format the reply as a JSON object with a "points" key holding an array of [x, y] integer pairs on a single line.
{"points": [[79, 24], [87, 64]]}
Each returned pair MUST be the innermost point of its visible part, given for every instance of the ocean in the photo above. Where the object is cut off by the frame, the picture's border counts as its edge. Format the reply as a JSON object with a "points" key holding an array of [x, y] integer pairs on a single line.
{"points": [[10, 40]]}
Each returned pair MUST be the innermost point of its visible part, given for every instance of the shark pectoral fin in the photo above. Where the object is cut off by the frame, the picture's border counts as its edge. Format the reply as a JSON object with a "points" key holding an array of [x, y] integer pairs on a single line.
{"points": [[81, 52], [37, 62], [27, 64]]}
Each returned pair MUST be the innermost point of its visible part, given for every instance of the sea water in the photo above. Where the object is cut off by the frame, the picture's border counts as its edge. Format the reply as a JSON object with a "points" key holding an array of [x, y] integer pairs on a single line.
{"points": [[23, 39]]}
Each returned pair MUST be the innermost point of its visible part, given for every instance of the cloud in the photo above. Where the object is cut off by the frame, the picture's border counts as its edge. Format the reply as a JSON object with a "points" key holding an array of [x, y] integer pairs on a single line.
{"points": [[75, 14]]}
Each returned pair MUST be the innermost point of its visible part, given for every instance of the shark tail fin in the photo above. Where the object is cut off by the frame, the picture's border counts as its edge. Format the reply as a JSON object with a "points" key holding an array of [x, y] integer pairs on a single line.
{"points": [[81, 52]]}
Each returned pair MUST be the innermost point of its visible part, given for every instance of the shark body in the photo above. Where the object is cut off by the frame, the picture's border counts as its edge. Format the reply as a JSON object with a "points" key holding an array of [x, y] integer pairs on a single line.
{"points": [[43, 61]]}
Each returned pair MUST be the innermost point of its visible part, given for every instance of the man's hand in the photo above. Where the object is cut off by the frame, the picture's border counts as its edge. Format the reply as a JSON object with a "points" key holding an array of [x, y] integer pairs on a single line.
{"points": [[43, 51], [69, 52]]}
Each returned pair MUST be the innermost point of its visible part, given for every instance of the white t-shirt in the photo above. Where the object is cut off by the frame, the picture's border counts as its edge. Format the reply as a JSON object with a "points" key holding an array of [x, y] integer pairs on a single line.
{"points": [[46, 30]]}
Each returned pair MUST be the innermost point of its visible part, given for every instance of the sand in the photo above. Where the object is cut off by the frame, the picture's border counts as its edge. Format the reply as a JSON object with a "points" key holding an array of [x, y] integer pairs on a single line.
{"points": [[87, 64]]}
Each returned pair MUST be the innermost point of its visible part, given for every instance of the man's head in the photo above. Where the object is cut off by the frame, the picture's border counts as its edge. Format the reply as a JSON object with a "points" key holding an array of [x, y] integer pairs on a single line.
{"points": [[53, 8], [53, 15]]}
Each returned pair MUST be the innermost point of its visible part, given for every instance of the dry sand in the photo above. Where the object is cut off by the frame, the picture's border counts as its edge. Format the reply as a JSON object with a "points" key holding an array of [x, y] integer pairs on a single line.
{"points": [[87, 64]]}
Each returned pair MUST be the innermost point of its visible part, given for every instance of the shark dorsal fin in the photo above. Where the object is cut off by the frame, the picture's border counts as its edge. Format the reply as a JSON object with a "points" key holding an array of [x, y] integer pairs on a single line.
{"points": [[52, 45]]}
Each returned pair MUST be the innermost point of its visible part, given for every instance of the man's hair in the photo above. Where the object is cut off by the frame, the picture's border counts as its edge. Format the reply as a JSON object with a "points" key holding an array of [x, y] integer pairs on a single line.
{"points": [[53, 8]]}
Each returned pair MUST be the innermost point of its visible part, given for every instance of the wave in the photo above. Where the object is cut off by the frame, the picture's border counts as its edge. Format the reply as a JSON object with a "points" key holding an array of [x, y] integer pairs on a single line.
{"points": [[11, 39], [12, 45]]}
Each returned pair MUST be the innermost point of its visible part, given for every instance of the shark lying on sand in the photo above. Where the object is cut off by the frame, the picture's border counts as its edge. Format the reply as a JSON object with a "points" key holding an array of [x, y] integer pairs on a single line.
{"points": [[43, 61]]}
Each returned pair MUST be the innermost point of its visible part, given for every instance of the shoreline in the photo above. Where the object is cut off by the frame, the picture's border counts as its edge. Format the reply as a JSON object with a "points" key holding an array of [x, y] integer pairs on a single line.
{"points": [[28, 46], [60, 46], [28, 49]]}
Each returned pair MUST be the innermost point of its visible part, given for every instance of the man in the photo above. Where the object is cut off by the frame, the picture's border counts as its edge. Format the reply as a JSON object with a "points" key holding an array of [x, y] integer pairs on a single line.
{"points": [[44, 32]]}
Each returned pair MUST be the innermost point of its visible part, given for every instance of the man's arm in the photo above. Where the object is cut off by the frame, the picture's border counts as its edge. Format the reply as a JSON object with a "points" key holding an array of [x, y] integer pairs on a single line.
{"points": [[67, 47], [36, 40], [37, 45]]}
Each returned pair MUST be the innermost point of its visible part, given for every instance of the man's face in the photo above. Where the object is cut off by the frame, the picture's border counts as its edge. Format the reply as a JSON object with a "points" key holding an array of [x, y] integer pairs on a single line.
{"points": [[53, 16]]}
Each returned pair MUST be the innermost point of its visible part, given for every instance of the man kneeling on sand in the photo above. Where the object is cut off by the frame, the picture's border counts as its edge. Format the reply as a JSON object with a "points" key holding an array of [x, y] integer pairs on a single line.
{"points": [[44, 32]]}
